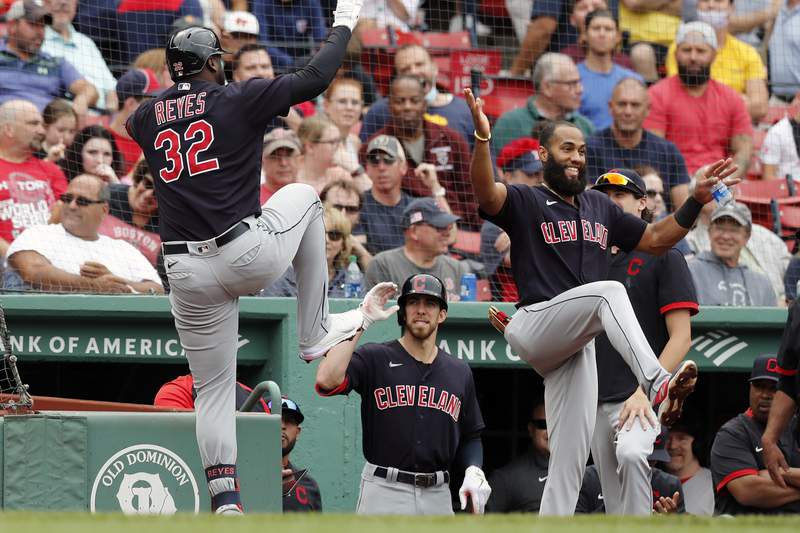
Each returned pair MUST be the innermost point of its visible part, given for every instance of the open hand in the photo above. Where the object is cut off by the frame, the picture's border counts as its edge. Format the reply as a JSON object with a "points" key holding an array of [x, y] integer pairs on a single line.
{"points": [[637, 406], [667, 505], [479, 118]]}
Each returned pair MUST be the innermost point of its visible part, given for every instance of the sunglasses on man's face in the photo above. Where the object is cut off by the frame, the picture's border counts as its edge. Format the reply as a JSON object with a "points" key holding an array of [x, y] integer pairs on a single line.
{"points": [[82, 201], [350, 209], [335, 235], [539, 423], [376, 158]]}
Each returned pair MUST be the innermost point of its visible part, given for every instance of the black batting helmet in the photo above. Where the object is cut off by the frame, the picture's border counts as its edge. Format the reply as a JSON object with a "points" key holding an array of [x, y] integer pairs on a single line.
{"points": [[188, 51], [426, 284]]}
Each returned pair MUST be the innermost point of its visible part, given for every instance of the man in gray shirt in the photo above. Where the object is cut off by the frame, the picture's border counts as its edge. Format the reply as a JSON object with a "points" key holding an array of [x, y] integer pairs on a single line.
{"points": [[718, 275], [426, 232]]}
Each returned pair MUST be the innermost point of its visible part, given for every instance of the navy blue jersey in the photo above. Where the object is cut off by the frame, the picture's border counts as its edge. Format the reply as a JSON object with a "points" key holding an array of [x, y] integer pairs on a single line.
{"points": [[736, 452], [556, 246], [204, 142], [413, 415], [655, 285]]}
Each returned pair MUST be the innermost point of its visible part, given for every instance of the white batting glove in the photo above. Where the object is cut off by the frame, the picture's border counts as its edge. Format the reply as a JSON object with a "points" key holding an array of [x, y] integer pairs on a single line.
{"points": [[372, 305], [346, 13], [478, 489]]}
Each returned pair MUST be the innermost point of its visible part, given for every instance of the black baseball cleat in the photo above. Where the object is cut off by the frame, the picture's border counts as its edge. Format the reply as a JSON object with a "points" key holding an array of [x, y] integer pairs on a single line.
{"points": [[669, 399]]}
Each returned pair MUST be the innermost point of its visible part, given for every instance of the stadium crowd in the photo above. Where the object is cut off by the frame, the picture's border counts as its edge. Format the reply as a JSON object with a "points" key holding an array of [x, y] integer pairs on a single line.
{"points": [[659, 86], [663, 89]]}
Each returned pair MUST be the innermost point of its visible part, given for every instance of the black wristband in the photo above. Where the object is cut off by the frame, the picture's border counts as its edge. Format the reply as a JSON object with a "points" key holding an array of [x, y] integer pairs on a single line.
{"points": [[688, 213]]}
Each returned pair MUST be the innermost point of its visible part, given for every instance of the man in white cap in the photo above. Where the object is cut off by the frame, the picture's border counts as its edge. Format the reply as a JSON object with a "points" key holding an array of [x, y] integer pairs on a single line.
{"points": [[707, 120]]}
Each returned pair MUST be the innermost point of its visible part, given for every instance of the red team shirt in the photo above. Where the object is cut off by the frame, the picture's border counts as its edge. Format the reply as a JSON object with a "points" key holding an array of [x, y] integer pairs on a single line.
{"points": [[27, 190]]}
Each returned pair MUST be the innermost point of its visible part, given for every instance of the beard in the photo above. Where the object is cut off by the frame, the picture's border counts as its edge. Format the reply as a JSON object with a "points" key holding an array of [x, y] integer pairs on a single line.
{"points": [[286, 450], [694, 78], [556, 178]]}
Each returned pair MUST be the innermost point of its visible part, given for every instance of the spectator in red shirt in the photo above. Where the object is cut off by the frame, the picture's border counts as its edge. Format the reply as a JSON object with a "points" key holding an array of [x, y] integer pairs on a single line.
{"points": [[706, 119], [426, 142], [132, 88], [279, 161], [28, 185]]}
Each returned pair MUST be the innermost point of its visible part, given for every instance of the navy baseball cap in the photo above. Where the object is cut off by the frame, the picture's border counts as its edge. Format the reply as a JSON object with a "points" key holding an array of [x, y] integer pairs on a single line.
{"points": [[622, 179], [765, 367], [289, 408], [137, 82], [428, 211], [660, 453]]}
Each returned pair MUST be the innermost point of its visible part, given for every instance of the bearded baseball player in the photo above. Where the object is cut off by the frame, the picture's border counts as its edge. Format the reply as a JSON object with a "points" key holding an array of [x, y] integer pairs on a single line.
{"points": [[419, 412], [559, 237], [205, 138]]}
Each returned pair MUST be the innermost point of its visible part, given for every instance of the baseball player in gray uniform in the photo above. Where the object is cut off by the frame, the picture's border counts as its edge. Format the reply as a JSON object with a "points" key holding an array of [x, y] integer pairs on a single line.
{"points": [[559, 238], [205, 138]]}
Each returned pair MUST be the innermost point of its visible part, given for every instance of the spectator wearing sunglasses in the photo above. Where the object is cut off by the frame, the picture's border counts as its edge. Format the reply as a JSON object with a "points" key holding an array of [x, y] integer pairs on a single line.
{"points": [[133, 213], [663, 297], [519, 485], [300, 491], [320, 139], [73, 257], [426, 234], [338, 249], [279, 161], [345, 197], [382, 213]]}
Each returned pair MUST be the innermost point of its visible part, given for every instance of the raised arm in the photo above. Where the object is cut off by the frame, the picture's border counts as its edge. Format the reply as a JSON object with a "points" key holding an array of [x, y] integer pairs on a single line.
{"points": [[311, 80], [491, 195], [664, 234]]}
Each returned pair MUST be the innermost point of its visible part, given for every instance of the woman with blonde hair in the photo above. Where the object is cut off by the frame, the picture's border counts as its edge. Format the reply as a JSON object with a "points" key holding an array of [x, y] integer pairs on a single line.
{"points": [[320, 139], [338, 248]]}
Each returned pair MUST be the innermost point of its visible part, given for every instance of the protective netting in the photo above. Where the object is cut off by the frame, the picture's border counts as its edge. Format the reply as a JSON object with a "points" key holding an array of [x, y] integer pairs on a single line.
{"points": [[14, 394], [631, 74]]}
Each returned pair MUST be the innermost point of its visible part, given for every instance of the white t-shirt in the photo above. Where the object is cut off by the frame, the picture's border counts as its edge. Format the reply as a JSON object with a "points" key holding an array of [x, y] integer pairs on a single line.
{"points": [[383, 16], [68, 252], [780, 149]]}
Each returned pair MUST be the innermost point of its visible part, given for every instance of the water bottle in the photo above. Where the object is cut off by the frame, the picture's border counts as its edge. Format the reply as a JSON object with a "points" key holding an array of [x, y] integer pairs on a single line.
{"points": [[353, 280], [469, 286], [722, 194]]}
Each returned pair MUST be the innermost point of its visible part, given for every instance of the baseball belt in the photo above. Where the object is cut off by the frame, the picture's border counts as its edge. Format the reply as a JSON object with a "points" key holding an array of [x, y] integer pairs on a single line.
{"points": [[181, 247], [424, 480]]}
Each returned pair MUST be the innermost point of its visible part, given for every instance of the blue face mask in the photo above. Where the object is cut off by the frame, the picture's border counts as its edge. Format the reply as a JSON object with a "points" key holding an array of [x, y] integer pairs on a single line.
{"points": [[715, 19], [430, 96]]}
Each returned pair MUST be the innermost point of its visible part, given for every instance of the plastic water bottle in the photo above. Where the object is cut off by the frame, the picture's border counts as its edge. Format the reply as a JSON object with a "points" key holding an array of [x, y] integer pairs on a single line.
{"points": [[721, 194], [353, 280], [469, 282]]}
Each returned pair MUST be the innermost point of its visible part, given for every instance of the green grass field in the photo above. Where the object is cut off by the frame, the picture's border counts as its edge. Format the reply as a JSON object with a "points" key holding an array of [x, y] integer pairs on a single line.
{"points": [[36, 522]]}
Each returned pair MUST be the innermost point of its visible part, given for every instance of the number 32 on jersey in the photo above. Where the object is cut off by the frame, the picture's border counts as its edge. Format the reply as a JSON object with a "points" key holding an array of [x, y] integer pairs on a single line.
{"points": [[200, 135]]}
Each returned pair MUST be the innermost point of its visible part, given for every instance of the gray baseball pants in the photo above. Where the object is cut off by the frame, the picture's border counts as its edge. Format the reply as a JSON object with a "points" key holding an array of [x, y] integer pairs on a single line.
{"points": [[621, 459], [388, 496], [205, 288], [556, 338]]}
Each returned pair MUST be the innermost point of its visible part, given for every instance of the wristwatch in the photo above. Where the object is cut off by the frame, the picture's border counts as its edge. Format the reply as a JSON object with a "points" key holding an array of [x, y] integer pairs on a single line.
{"points": [[439, 193]]}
